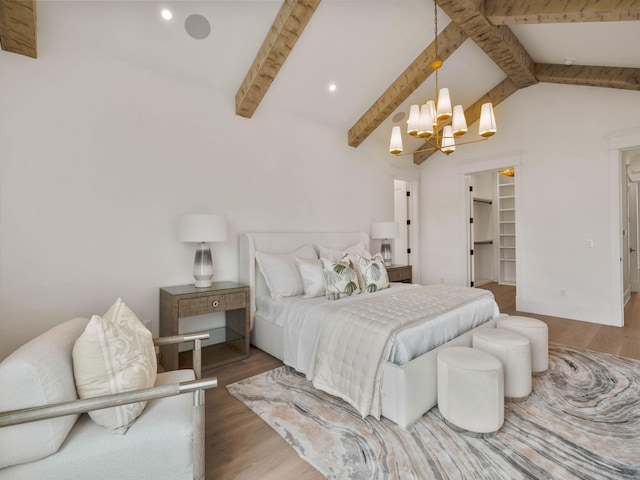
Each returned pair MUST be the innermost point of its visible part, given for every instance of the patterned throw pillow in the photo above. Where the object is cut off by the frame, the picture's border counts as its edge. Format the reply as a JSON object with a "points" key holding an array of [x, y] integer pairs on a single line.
{"points": [[114, 354], [340, 276], [373, 272]]}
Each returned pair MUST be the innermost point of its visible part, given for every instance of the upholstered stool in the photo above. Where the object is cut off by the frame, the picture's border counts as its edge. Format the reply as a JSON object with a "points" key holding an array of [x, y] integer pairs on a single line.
{"points": [[514, 351], [538, 334], [470, 390]]}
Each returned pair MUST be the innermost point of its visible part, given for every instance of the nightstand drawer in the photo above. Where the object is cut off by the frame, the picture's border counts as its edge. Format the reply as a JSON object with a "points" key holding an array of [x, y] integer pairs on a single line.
{"points": [[212, 303], [399, 274]]}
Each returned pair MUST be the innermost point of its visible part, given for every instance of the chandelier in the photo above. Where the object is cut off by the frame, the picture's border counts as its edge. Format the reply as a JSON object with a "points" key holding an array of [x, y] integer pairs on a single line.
{"points": [[437, 122]]}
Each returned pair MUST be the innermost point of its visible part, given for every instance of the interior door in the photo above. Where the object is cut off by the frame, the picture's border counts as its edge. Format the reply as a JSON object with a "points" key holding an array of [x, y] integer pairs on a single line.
{"points": [[633, 237], [471, 269]]}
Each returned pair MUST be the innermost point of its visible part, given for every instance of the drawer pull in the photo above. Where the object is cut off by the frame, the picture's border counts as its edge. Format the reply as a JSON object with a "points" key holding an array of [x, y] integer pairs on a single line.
{"points": [[215, 304]]}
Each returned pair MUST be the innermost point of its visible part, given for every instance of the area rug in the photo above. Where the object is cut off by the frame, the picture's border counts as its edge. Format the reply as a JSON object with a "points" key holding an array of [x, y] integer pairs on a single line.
{"points": [[582, 421]]}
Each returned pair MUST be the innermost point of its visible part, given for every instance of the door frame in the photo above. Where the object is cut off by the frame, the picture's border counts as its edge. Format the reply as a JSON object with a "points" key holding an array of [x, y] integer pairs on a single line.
{"points": [[493, 164], [617, 143]]}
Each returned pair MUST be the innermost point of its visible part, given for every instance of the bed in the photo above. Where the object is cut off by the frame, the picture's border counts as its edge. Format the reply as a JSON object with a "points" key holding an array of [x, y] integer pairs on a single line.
{"points": [[406, 390]]}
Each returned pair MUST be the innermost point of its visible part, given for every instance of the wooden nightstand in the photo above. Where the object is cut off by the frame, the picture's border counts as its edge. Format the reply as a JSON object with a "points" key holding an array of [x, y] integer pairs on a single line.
{"points": [[232, 340], [399, 273]]}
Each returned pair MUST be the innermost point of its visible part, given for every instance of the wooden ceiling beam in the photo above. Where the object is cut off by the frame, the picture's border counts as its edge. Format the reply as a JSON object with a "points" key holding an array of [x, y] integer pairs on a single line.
{"points": [[283, 35], [496, 95], [18, 27], [609, 77], [509, 12], [414, 75], [497, 41]]}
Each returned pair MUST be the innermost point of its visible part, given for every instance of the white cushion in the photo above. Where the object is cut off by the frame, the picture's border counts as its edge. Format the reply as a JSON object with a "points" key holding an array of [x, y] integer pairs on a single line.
{"points": [[312, 279], [114, 354], [158, 446], [281, 273], [337, 254], [340, 276], [38, 373], [373, 273]]}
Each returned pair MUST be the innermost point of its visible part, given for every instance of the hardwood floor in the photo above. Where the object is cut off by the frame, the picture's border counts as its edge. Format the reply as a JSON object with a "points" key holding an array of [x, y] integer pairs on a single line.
{"points": [[239, 445], [602, 338]]}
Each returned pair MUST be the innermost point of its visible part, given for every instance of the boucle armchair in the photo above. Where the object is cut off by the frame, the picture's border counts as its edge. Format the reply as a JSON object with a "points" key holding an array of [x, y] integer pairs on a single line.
{"points": [[46, 434]]}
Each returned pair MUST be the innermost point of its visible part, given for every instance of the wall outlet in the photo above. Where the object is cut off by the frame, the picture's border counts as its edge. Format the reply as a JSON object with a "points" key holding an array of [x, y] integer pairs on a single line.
{"points": [[588, 243]]}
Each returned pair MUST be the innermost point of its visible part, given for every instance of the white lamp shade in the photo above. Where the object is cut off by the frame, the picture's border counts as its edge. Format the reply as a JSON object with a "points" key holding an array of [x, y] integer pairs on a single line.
{"points": [[414, 120], [425, 127], [395, 145], [382, 230], [202, 228], [448, 142], [459, 123], [444, 105], [487, 125]]}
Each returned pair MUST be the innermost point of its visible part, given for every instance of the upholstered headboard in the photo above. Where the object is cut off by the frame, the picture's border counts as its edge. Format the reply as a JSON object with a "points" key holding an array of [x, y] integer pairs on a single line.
{"points": [[283, 243]]}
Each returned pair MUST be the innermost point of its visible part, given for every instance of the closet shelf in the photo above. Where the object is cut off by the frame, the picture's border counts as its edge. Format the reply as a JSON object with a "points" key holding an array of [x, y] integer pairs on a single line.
{"points": [[507, 259]]}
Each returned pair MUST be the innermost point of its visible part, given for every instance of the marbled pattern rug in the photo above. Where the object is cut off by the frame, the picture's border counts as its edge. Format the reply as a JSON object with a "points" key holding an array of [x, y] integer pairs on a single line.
{"points": [[582, 421]]}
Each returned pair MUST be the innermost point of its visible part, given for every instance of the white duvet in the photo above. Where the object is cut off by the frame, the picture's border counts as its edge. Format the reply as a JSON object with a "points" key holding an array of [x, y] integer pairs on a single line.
{"points": [[342, 346]]}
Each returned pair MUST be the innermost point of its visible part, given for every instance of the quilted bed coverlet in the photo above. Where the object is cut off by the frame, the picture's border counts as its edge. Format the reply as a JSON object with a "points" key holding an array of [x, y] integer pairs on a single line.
{"points": [[356, 340]]}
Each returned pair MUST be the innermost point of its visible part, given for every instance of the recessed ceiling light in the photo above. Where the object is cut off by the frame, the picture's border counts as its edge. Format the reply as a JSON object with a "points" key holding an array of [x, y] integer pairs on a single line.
{"points": [[332, 87], [166, 14]]}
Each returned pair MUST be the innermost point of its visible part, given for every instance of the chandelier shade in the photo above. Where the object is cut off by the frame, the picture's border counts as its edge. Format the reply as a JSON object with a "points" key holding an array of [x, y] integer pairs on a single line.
{"points": [[487, 126], [437, 122]]}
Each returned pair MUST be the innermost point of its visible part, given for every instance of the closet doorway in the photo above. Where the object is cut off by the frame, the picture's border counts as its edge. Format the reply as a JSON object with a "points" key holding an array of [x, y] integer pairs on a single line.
{"points": [[630, 211], [492, 227]]}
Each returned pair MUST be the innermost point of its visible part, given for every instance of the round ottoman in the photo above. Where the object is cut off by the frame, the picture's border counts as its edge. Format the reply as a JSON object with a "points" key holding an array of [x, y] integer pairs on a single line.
{"points": [[538, 334], [514, 351], [470, 390]]}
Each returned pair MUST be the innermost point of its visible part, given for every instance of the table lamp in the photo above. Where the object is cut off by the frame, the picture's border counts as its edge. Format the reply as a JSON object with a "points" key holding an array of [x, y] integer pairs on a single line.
{"points": [[201, 229], [385, 231]]}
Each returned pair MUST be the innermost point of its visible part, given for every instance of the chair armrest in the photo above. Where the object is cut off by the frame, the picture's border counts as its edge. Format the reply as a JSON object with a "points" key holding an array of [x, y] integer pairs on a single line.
{"points": [[15, 417], [196, 338], [188, 337]]}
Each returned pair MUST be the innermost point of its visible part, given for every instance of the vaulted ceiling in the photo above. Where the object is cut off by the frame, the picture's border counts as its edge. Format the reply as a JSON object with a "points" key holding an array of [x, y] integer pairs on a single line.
{"points": [[378, 52], [485, 24]]}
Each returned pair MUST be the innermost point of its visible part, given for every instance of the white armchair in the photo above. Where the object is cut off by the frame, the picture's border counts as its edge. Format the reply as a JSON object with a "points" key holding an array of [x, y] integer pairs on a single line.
{"points": [[46, 434]]}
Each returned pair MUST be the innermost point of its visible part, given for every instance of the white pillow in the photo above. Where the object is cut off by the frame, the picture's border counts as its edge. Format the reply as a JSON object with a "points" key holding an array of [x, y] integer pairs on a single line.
{"points": [[38, 373], [114, 354], [336, 254], [340, 276], [281, 273], [373, 273], [312, 278]]}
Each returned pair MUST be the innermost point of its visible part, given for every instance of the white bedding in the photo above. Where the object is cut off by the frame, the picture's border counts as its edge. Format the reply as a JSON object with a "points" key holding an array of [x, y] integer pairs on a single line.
{"points": [[356, 341], [302, 319]]}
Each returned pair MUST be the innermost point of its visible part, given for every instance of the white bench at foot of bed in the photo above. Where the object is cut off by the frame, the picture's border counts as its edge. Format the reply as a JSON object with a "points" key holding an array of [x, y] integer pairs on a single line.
{"points": [[411, 390], [408, 391]]}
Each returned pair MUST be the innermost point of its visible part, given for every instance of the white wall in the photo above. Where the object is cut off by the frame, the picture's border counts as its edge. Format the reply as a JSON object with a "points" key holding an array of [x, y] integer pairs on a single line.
{"points": [[99, 157], [556, 136]]}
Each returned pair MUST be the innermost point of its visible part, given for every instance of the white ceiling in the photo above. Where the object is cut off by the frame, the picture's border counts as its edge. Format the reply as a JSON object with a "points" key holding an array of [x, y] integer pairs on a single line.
{"points": [[360, 45]]}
